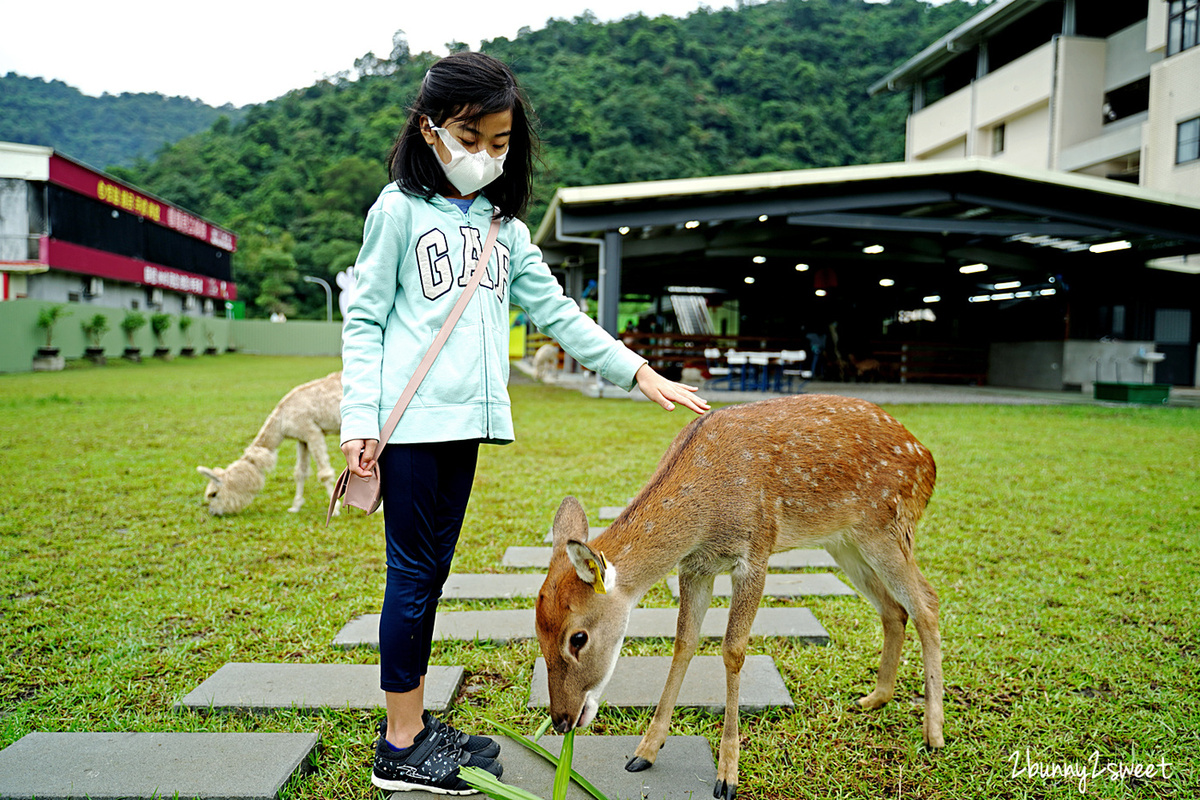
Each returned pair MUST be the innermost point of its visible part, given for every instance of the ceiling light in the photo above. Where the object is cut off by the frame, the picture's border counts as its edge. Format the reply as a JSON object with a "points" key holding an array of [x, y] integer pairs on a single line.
{"points": [[933, 298], [1003, 296], [692, 223], [1006, 285], [1047, 292], [763, 218], [623, 230], [1023, 295], [1108, 247], [820, 293], [970, 268], [874, 249], [760, 259], [802, 268], [886, 282], [749, 279], [980, 298]]}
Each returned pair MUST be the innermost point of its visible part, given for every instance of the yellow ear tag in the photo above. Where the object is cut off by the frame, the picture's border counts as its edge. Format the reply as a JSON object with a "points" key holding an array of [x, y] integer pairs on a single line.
{"points": [[598, 585]]}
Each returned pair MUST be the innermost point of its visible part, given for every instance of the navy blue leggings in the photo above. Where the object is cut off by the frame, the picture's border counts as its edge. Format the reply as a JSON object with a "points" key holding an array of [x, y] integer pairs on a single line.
{"points": [[425, 492]]}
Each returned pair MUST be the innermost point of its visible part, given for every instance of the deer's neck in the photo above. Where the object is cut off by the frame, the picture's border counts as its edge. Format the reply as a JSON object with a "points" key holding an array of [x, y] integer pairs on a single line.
{"points": [[644, 546]]}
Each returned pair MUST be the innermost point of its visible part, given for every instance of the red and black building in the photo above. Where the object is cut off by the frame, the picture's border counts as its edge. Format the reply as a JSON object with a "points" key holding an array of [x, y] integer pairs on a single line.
{"points": [[71, 233]]}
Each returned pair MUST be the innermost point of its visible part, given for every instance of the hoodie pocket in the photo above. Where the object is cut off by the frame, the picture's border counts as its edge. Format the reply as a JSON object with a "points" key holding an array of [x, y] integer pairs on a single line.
{"points": [[456, 377]]}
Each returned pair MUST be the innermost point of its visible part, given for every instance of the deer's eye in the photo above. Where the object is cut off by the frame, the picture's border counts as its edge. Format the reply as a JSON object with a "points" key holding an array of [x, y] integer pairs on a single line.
{"points": [[578, 640]]}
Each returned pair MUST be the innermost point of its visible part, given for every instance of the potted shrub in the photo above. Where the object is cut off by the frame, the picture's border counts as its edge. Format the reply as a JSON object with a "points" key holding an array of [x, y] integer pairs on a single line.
{"points": [[211, 350], [48, 358], [94, 329], [185, 328], [133, 322], [159, 325]]}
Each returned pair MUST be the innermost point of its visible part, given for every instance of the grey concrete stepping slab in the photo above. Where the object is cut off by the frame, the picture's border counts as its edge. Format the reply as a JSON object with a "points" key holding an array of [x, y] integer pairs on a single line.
{"points": [[513, 625], [539, 557], [684, 769], [234, 766], [802, 558], [610, 512], [638, 681], [792, 623], [241, 687], [801, 584], [487, 586], [593, 532], [526, 557]]}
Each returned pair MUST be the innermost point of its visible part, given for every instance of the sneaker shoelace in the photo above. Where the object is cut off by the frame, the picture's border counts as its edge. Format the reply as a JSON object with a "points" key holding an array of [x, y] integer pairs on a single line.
{"points": [[472, 744]]}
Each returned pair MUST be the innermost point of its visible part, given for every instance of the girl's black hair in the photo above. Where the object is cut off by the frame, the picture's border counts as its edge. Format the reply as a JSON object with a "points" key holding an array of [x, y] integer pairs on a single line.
{"points": [[467, 86]]}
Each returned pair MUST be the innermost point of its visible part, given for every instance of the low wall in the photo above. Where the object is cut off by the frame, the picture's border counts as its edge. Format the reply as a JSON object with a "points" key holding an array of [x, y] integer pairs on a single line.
{"points": [[1073, 365], [292, 338], [21, 337]]}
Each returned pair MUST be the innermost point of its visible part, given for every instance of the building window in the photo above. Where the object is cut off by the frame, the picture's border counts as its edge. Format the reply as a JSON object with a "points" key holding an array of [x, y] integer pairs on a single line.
{"points": [[1187, 142], [1183, 25], [1125, 101], [998, 139]]}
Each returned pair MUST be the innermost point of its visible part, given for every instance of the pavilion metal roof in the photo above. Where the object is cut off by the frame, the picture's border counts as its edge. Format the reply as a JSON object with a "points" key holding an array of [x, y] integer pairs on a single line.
{"points": [[921, 213]]}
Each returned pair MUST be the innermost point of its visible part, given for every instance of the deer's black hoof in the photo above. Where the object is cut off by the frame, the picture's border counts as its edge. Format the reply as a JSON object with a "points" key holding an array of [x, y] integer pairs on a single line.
{"points": [[725, 791], [637, 764]]}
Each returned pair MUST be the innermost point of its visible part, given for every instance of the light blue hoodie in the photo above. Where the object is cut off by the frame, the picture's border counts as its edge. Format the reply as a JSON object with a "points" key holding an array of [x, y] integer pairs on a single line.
{"points": [[411, 269]]}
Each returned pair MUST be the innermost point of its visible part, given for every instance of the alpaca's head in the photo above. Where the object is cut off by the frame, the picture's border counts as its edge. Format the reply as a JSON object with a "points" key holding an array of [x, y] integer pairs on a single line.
{"points": [[231, 489]]}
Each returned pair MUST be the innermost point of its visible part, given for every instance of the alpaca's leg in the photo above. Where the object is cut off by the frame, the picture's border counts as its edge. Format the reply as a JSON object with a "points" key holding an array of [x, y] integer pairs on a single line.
{"points": [[325, 472], [301, 474]]}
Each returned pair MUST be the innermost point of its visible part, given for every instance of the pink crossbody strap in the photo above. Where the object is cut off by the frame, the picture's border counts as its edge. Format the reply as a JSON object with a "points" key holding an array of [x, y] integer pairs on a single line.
{"points": [[440, 340]]}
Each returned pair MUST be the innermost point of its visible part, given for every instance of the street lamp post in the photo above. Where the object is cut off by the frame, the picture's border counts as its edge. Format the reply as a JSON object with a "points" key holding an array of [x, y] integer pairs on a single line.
{"points": [[328, 296]]}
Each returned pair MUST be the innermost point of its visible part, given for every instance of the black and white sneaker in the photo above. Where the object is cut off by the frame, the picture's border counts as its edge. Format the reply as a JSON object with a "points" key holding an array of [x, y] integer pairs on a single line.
{"points": [[482, 746], [431, 765]]}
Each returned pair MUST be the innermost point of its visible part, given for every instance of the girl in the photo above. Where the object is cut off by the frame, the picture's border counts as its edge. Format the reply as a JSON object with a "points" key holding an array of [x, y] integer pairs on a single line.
{"points": [[464, 155]]}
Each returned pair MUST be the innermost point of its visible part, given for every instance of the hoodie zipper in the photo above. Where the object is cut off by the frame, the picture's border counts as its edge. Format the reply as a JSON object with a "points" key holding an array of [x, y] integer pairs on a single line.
{"points": [[483, 342]]}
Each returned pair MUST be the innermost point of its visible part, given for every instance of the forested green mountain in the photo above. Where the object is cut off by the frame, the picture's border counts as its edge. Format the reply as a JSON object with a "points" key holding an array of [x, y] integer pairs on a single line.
{"points": [[780, 85], [101, 131]]}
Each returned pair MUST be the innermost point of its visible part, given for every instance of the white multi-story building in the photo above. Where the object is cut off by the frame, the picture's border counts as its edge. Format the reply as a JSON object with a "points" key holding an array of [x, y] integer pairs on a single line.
{"points": [[1110, 90], [1105, 89]]}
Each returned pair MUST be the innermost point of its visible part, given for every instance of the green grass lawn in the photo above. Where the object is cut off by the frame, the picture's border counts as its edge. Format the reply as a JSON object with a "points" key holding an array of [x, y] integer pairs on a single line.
{"points": [[1064, 542]]}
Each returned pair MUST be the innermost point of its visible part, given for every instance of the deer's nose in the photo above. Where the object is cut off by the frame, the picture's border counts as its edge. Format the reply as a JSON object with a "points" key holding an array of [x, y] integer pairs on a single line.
{"points": [[563, 724]]}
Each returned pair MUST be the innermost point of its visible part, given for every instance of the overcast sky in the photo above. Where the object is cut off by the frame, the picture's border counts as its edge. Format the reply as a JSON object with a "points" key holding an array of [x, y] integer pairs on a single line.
{"points": [[221, 51]]}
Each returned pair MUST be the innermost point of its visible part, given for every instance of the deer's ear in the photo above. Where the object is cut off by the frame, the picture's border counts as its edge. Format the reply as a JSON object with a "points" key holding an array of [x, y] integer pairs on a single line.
{"points": [[589, 565], [212, 475], [570, 523]]}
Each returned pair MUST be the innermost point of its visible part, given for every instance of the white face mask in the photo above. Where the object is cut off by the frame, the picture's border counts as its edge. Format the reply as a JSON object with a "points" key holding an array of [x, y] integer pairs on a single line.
{"points": [[468, 172]]}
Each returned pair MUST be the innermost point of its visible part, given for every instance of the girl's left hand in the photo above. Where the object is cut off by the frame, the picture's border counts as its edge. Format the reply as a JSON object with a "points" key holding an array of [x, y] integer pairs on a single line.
{"points": [[667, 393]]}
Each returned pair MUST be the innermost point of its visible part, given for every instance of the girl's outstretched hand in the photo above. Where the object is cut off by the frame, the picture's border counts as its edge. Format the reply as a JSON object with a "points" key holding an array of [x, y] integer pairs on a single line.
{"points": [[667, 393]]}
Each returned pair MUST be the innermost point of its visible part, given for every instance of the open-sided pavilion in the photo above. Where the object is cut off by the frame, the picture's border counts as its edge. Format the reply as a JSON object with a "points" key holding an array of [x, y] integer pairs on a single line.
{"points": [[1042, 278]]}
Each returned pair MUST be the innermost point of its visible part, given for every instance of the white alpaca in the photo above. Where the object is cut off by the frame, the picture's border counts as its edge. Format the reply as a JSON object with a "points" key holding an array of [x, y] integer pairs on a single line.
{"points": [[545, 362], [305, 414]]}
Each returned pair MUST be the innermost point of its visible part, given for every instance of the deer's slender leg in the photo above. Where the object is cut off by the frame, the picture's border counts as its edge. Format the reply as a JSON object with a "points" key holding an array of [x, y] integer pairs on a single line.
{"points": [[747, 593], [695, 596], [925, 619]]}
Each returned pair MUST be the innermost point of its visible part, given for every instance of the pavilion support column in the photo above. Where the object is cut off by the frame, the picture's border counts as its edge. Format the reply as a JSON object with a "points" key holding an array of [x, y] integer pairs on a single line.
{"points": [[609, 292], [574, 278], [610, 282]]}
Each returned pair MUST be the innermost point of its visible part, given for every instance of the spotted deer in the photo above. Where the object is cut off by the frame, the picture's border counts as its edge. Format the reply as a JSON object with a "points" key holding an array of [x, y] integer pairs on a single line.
{"points": [[737, 485]]}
